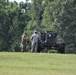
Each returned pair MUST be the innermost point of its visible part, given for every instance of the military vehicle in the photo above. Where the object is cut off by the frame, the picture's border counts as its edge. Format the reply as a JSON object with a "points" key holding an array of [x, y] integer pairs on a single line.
{"points": [[49, 41]]}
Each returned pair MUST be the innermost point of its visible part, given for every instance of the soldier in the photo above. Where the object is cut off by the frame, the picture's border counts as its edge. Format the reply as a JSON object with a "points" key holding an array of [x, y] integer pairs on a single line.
{"points": [[34, 39], [24, 40]]}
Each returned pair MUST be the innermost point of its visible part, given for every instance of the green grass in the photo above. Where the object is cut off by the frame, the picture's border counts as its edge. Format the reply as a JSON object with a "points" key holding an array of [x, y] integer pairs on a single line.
{"points": [[37, 64]]}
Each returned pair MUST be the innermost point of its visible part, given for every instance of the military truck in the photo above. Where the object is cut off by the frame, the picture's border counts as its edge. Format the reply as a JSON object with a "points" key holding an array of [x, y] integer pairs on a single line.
{"points": [[49, 41]]}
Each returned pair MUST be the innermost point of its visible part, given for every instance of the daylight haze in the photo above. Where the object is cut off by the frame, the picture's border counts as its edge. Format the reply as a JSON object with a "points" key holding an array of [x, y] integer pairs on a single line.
{"points": [[19, 0]]}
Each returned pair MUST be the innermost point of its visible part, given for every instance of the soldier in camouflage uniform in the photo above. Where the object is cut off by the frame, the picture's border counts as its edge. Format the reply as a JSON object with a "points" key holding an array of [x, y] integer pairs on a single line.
{"points": [[24, 40]]}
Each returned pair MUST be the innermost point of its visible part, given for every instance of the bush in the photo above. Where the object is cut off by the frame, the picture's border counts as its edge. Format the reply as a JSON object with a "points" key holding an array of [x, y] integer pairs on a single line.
{"points": [[70, 49], [53, 51]]}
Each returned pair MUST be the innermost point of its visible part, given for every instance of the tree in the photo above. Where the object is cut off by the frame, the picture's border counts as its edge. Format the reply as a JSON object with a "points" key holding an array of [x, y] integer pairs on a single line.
{"points": [[64, 21], [19, 22], [4, 26], [35, 12], [47, 16], [12, 24]]}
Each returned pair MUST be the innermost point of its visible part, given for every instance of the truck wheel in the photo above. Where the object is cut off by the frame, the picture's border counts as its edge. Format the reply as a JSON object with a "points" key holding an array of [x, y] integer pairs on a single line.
{"points": [[62, 49]]}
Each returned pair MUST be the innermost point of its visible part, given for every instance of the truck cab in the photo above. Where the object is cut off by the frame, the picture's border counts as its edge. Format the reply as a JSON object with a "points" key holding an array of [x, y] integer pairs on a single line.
{"points": [[49, 41]]}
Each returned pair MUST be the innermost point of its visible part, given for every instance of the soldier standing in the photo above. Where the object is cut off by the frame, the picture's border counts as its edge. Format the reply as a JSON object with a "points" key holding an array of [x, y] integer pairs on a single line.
{"points": [[24, 40], [34, 39]]}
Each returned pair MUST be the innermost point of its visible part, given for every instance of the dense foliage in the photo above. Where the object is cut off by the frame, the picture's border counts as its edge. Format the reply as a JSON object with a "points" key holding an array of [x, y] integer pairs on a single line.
{"points": [[40, 15]]}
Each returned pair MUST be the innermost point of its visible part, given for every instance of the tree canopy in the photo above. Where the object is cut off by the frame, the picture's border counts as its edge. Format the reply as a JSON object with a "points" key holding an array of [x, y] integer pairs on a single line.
{"points": [[40, 15]]}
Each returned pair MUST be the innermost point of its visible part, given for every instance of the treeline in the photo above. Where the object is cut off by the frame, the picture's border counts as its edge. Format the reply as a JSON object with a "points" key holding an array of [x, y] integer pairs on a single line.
{"points": [[40, 15]]}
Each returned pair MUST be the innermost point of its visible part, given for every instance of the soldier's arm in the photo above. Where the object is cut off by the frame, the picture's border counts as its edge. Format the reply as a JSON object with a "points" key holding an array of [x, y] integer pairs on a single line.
{"points": [[31, 38], [25, 37]]}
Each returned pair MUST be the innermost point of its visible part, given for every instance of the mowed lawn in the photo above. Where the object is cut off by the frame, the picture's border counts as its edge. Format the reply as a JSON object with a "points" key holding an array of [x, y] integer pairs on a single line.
{"points": [[12, 63]]}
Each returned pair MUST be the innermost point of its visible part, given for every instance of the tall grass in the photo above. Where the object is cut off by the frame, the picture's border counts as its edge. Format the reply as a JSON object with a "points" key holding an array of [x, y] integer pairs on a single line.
{"points": [[37, 64]]}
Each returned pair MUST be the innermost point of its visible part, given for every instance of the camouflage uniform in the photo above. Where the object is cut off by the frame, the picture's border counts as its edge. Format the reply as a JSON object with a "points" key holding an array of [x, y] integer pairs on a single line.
{"points": [[24, 40]]}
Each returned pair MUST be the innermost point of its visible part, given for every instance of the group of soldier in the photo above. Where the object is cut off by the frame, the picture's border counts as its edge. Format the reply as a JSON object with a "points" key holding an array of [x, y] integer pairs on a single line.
{"points": [[34, 42]]}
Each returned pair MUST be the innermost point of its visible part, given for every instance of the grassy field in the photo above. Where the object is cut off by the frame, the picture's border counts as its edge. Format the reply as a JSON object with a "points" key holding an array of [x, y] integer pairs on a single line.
{"points": [[37, 64]]}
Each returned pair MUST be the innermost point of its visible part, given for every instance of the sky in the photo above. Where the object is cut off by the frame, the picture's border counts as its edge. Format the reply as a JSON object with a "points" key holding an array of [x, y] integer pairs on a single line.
{"points": [[18, 0]]}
